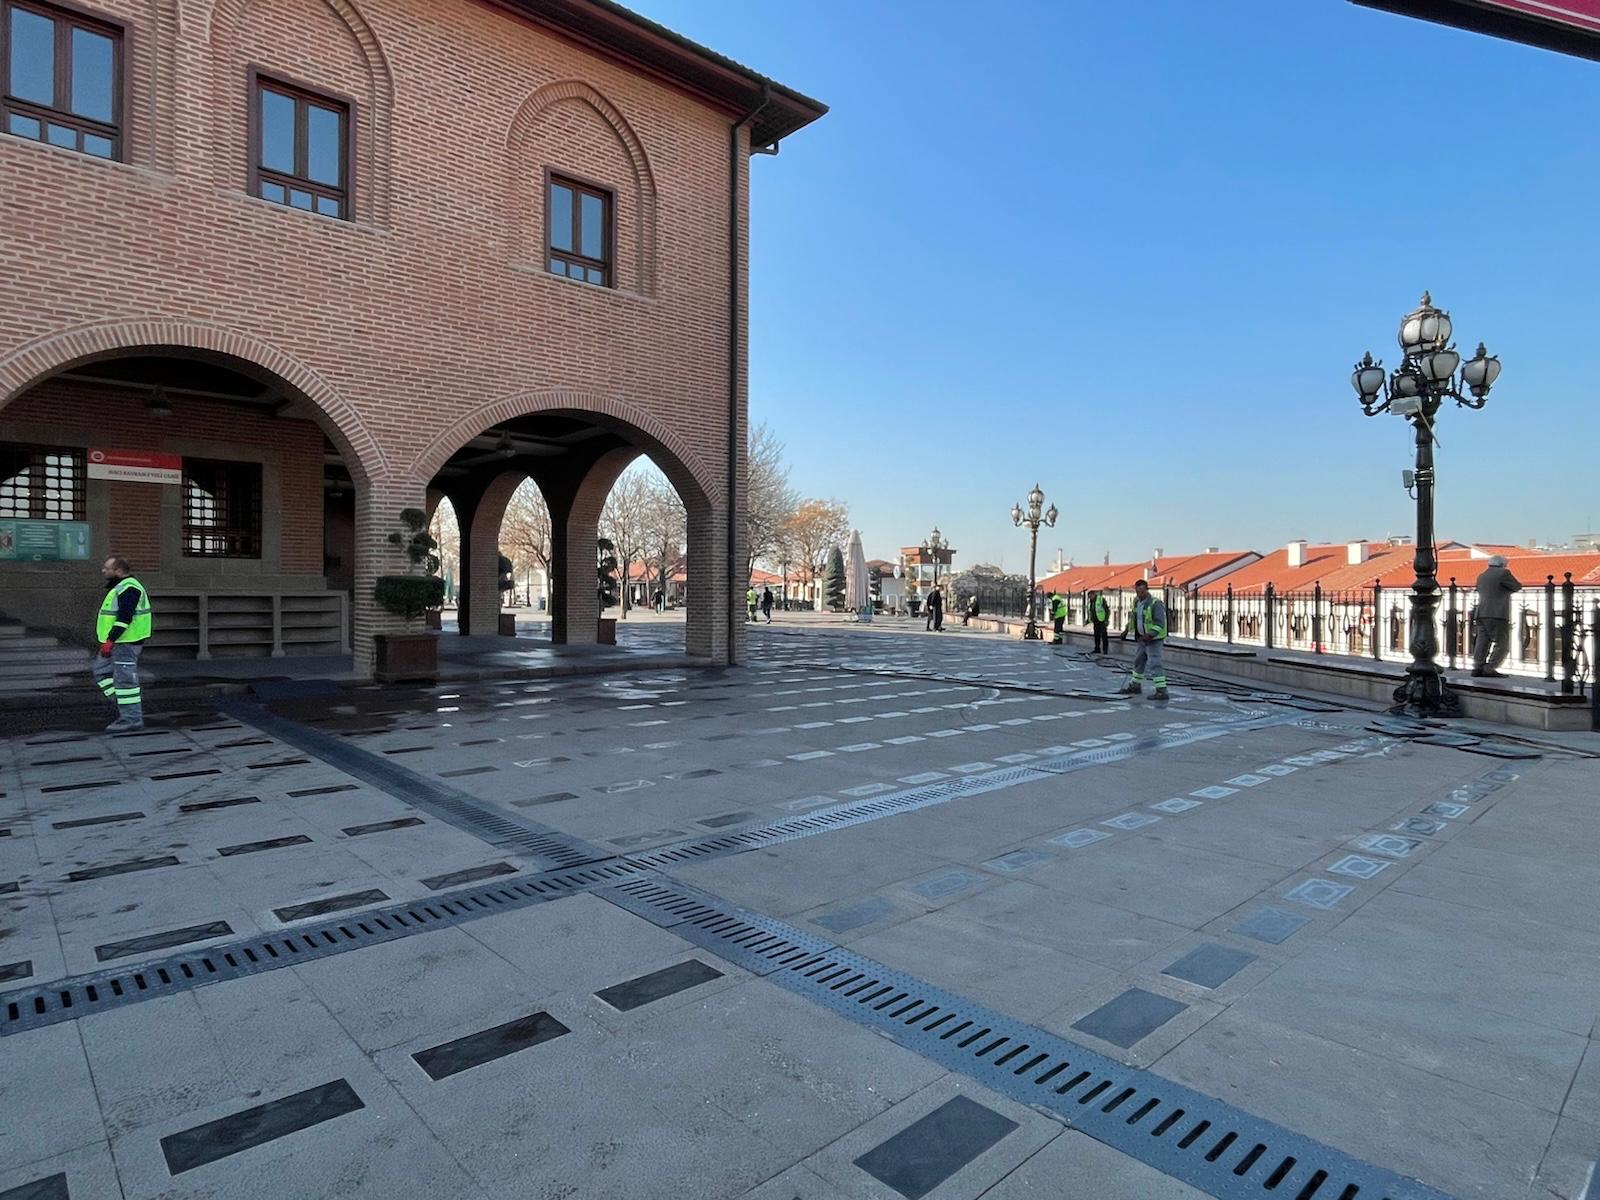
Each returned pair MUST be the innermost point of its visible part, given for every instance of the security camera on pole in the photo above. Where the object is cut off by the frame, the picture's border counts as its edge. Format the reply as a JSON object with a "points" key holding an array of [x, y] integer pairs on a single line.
{"points": [[1416, 390]]}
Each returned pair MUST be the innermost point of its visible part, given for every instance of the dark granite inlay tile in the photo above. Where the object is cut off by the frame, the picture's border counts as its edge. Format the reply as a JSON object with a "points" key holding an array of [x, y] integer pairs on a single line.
{"points": [[122, 868], [383, 826], [162, 941], [5, 833], [238, 742], [926, 1153], [256, 1126], [61, 762], [640, 839], [286, 762], [947, 884], [1129, 1018], [719, 737], [436, 883], [550, 798], [187, 774], [329, 904], [53, 1188], [466, 771], [481, 741], [16, 970], [208, 805], [636, 993], [108, 819], [408, 749], [1210, 965], [697, 773], [298, 839], [8, 887], [856, 915], [57, 741], [1272, 925], [451, 1058], [163, 750], [323, 791], [80, 787], [732, 818], [632, 785]]}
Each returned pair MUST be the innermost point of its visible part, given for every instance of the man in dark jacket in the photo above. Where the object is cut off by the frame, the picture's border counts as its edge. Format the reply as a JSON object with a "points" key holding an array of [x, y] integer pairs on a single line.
{"points": [[1099, 617], [1493, 640]]}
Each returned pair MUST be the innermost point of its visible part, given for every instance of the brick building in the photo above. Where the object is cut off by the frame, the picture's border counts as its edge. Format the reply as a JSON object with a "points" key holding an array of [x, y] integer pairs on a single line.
{"points": [[329, 259]]}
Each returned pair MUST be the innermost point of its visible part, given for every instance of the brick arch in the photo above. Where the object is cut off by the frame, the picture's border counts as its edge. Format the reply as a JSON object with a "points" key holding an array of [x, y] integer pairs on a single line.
{"points": [[374, 117], [39, 359], [519, 139], [697, 487]]}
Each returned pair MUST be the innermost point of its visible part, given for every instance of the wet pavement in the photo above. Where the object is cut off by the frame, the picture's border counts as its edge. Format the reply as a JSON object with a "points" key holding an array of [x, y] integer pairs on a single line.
{"points": [[690, 932]]}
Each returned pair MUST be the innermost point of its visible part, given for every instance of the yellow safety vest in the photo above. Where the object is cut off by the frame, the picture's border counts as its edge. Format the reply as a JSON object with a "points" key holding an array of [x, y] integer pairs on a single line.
{"points": [[139, 628]]}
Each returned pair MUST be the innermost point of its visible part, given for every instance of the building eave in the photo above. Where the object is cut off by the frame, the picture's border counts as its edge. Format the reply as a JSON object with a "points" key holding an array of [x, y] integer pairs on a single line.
{"points": [[1551, 26], [616, 33]]}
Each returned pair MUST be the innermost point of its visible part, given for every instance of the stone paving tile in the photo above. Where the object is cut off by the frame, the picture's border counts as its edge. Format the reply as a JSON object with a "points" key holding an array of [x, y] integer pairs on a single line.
{"points": [[49, 1085], [1076, 1167], [1366, 1105]]}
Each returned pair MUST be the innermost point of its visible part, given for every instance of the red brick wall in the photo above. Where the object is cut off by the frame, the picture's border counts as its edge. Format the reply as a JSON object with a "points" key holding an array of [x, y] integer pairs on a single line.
{"points": [[69, 413]]}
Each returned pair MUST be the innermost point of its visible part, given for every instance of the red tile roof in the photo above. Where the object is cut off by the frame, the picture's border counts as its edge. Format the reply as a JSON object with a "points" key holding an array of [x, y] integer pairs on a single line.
{"points": [[1086, 578]]}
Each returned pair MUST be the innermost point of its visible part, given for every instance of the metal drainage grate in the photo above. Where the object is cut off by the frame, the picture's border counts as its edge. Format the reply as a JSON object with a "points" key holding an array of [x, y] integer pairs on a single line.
{"points": [[486, 822], [1199, 1139], [83, 995], [858, 812]]}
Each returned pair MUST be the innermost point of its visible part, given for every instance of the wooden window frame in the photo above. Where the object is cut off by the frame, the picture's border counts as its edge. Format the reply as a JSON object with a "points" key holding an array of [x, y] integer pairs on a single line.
{"points": [[303, 95], [67, 18], [580, 186], [230, 536], [36, 486]]}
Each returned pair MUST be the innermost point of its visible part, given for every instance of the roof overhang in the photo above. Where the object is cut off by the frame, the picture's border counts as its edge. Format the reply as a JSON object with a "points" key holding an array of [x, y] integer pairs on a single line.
{"points": [[610, 31], [1565, 26]]}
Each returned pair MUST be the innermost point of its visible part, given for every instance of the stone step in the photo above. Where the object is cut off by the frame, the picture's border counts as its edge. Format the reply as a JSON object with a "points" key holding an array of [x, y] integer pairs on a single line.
{"points": [[42, 662], [26, 641]]}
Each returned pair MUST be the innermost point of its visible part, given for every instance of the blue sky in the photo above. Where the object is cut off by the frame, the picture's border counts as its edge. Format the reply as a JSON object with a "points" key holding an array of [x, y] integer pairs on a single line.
{"points": [[1131, 251]]}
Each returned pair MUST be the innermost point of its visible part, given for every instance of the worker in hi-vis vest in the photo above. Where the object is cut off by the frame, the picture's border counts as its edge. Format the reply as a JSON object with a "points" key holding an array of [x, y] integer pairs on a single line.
{"points": [[1058, 617], [1099, 617], [750, 602], [122, 630], [1148, 624]]}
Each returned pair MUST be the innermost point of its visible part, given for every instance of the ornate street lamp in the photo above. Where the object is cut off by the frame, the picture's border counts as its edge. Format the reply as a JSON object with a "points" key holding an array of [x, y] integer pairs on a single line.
{"points": [[933, 545], [1416, 390], [1033, 518]]}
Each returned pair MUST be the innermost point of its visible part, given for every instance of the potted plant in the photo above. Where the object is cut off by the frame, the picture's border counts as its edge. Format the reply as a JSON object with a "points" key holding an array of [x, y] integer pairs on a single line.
{"points": [[413, 654], [606, 635], [508, 621]]}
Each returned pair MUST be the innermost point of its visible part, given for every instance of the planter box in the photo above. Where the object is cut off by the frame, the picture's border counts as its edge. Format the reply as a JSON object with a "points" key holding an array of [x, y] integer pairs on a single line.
{"points": [[608, 631], [508, 624], [406, 656]]}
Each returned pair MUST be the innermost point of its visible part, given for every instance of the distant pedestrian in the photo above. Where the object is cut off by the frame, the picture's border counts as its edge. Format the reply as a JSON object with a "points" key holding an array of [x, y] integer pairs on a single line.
{"points": [[766, 604], [936, 610], [972, 611], [750, 602], [1058, 618], [1100, 618], [1493, 640], [123, 628], [1148, 625]]}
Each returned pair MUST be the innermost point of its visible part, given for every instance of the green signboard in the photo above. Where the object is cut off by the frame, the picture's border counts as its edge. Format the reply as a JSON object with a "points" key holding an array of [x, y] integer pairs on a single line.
{"points": [[43, 541]]}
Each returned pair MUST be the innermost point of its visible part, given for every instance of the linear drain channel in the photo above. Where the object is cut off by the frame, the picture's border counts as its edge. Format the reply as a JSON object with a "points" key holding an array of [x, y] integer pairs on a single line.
{"points": [[858, 812], [491, 824], [1211, 1145], [84, 995]]}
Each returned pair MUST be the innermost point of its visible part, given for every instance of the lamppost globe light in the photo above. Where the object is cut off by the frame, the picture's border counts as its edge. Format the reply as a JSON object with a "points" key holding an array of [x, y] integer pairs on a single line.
{"points": [[1405, 384], [1426, 328], [1480, 372], [1016, 514], [1440, 366], [1368, 377], [1050, 516], [1035, 498]]}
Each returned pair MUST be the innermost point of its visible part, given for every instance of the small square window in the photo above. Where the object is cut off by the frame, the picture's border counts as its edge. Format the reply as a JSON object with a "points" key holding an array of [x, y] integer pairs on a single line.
{"points": [[579, 219], [42, 483]]}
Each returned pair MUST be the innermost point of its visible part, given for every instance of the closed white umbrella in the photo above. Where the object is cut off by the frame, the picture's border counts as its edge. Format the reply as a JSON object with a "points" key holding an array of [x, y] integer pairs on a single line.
{"points": [[857, 587]]}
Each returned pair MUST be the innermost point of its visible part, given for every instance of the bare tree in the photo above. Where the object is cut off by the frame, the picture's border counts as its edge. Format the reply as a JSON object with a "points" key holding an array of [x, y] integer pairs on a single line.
{"points": [[816, 527], [770, 501], [525, 532], [622, 520], [444, 530], [666, 529]]}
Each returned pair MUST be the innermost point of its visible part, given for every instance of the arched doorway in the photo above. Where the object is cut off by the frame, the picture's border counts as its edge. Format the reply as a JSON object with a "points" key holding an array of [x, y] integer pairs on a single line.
{"points": [[576, 456], [227, 472]]}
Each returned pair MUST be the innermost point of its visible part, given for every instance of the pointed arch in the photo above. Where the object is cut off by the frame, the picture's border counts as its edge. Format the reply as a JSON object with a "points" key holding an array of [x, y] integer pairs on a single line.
{"points": [[527, 173]]}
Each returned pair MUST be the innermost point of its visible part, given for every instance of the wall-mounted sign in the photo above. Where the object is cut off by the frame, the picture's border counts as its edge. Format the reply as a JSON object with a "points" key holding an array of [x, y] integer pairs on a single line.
{"points": [[43, 541], [136, 466]]}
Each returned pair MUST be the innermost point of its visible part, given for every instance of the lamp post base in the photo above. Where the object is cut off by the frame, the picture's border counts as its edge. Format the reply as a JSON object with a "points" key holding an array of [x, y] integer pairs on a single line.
{"points": [[1426, 694], [1031, 632]]}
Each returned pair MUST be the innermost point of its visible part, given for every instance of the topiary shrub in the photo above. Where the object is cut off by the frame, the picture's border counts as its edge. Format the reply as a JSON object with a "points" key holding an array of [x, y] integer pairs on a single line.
{"points": [[411, 595]]}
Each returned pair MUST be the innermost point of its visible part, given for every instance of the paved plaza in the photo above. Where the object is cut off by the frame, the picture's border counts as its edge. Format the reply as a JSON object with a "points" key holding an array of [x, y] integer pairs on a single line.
{"points": [[880, 914]]}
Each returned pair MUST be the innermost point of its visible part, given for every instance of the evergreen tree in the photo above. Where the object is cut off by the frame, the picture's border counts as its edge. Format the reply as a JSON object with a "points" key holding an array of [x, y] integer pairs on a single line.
{"points": [[833, 580], [607, 564]]}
